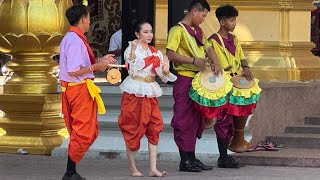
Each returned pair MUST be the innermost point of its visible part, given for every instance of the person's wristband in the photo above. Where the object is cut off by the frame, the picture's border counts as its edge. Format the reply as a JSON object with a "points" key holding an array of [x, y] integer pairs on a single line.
{"points": [[245, 66], [90, 68], [194, 59]]}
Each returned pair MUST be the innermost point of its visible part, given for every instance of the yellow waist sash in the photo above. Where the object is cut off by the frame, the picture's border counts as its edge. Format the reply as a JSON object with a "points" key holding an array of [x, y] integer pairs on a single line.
{"points": [[94, 93]]}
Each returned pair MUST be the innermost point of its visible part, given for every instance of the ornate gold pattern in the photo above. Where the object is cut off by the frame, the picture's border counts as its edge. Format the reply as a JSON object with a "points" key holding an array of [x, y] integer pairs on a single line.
{"points": [[106, 20], [273, 5], [32, 34]]}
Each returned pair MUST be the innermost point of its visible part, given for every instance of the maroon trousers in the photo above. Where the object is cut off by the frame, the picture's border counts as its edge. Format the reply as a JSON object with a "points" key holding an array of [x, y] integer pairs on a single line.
{"points": [[188, 123]]}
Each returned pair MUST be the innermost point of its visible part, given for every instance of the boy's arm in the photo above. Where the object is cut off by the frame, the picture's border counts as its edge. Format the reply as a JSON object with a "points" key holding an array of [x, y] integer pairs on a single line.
{"points": [[213, 61], [244, 64], [101, 66], [246, 70], [85, 70], [174, 39], [176, 57]]}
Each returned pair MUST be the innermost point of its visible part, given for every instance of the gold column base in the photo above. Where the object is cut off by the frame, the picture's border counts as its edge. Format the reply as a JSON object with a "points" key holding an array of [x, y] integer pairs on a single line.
{"points": [[31, 143], [64, 132], [31, 122], [2, 132]]}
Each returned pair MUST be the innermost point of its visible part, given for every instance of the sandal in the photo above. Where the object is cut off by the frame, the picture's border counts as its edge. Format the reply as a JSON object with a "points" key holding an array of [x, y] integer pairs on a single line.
{"points": [[271, 144], [269, 148], [255, 148], [262, 148]]}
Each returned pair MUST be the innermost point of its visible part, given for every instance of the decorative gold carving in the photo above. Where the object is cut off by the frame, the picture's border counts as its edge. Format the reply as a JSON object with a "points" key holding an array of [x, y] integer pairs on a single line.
{"points": [[64, 132], [282, 61], [31, 122], [32, 34], [161, 4], [285, 25], [274, 5], [2, 132]]}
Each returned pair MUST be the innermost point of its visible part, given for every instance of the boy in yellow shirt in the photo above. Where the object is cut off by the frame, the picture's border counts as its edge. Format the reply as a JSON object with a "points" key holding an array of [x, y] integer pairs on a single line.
{"points": [[189, 50], [232, 59]]}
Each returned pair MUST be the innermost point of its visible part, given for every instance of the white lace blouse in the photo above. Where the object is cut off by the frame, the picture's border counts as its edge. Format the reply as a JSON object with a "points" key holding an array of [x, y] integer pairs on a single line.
{"points": [[136, 68]]}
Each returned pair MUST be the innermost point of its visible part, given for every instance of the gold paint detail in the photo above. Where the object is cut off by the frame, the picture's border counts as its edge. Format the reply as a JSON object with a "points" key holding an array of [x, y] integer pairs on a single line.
{"points": [[30, 101], [33, 121], [273, 5], [285, 61], [64, 132], [275, 36], [2, 132]]}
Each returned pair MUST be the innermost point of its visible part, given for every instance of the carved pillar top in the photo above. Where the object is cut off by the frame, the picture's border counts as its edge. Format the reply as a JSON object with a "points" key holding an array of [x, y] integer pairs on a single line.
{"points": [[32, 33]]}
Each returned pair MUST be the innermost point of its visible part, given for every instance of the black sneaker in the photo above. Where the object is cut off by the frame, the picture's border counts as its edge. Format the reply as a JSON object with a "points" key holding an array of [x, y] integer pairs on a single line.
{"points": [[75, 176], [187, 166], [228, 163], [199, 164]]}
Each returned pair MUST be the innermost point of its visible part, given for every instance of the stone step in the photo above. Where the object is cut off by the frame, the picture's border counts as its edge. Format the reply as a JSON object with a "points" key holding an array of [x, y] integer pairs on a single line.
{"points": [[307, 129], [284, 157], [312, 120], [292, 140], [110, 144]]}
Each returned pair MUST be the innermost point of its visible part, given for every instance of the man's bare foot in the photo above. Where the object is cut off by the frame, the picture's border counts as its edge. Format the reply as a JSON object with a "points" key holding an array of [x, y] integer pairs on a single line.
{"points": [[156, 173], [136, 174]]}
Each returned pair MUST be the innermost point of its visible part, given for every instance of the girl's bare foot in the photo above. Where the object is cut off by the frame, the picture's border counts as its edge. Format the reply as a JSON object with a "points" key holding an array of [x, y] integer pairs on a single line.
{"points": [[156, 173], [136, 174]]}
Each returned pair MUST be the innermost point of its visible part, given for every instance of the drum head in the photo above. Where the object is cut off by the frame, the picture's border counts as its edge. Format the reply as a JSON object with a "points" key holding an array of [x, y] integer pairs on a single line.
{"points": [[113, 76], [241, 82], [210, 82]]}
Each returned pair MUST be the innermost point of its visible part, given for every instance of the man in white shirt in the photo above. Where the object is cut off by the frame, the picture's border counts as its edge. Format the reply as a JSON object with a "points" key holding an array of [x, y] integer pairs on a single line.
{"points": [[115, 45]]}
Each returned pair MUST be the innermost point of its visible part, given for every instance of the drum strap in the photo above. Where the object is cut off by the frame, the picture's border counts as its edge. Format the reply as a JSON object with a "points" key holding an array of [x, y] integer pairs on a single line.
{"points": [[194, 52], [225, 50]]}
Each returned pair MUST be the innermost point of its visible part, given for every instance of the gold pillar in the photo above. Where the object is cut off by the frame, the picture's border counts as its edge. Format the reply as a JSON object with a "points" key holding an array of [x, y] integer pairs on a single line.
{"points": [[275, 35], [31, 31]]}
